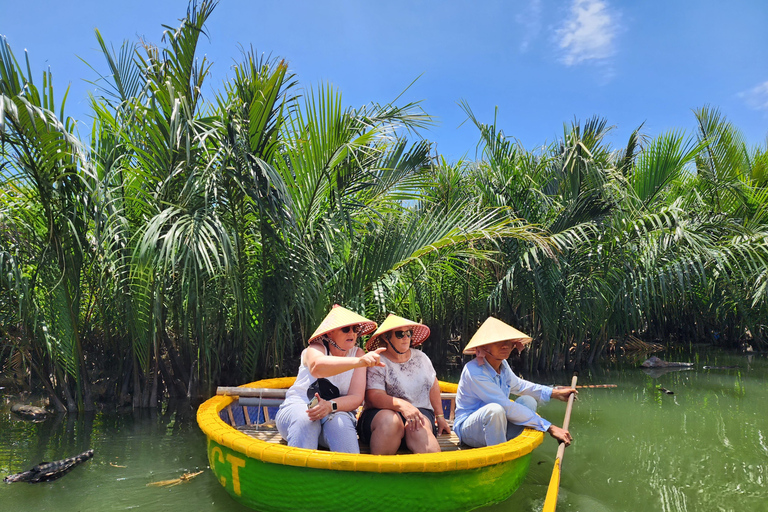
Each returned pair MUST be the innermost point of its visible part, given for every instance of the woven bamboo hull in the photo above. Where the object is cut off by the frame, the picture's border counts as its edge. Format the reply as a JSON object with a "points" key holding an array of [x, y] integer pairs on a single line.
{"points": [[274, 477]]}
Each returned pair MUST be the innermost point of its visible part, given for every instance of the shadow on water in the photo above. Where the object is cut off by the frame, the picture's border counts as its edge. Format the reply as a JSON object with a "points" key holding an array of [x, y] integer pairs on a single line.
{"points": [[636, 448], [132, 449]]}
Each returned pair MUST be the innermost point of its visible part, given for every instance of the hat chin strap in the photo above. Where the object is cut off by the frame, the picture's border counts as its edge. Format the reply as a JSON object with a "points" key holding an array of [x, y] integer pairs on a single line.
{"points": [[329, 340], [393, 347]]}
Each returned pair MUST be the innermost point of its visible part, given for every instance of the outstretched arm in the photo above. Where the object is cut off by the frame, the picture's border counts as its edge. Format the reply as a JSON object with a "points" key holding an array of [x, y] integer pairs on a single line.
{"points": [[321, 365], [487, 391]]}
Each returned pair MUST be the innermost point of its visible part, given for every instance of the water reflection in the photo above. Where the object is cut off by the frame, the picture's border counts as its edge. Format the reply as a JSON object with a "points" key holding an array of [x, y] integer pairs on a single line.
{"points": [[132, 450], [636, 448]]}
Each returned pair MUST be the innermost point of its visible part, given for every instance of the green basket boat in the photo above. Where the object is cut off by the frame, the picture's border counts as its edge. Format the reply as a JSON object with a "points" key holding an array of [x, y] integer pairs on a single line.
{"points": [[250, 460]]}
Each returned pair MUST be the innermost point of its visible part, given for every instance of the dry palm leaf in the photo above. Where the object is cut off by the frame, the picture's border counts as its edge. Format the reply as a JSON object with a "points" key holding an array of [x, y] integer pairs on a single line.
{"points": [[176, 481]]}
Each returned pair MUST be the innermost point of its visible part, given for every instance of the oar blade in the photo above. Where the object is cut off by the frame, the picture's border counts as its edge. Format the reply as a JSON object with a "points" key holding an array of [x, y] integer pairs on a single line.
{"points": [[554, 486]]}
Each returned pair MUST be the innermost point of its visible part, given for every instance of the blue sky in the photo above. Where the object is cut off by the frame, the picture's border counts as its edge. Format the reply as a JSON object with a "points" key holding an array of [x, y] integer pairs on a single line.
{"points": [[543, 63]]}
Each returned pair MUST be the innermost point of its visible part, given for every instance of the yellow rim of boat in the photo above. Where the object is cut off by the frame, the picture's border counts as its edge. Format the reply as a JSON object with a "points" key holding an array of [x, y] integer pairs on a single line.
{"points": [[218, 431]]}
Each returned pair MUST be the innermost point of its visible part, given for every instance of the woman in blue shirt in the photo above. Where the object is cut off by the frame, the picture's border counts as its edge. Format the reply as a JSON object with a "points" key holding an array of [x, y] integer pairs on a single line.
{"points": [[485, 416]]}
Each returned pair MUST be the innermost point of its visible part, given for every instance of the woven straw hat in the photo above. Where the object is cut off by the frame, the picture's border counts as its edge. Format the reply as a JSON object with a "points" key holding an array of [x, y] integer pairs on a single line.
{"points": [[342, 317], [494, 330], [397, 323]]}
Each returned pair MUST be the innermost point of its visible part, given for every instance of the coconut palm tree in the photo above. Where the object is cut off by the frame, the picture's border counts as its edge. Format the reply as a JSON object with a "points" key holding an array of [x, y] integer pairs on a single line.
{"points": [[637, 252]]}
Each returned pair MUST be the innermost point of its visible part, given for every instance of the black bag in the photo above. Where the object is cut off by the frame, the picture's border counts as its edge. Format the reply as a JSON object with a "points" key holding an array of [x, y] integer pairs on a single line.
{"points": [[324, 388]]}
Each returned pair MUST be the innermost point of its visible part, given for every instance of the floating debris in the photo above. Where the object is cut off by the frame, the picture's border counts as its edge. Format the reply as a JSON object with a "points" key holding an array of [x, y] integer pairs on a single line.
{"points": [[186, 477], [29, 412], [49, 471], [635, 344]]}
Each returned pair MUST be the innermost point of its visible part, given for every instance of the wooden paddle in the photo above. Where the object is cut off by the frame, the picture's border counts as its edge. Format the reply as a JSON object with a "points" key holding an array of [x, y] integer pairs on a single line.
{"points": [[554, 483]]}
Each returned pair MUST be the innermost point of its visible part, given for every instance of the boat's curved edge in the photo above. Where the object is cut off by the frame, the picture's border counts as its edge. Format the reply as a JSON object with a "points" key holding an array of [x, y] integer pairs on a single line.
{"points": [[216, 430], [279, 488]]}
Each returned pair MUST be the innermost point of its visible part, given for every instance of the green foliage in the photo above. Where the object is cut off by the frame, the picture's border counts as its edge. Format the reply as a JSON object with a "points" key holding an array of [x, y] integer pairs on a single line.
{"points": [[200, 242]]}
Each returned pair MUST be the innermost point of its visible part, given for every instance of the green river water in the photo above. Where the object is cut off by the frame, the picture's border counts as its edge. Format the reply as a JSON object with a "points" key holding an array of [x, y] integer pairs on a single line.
{"points": [[636, 448]]}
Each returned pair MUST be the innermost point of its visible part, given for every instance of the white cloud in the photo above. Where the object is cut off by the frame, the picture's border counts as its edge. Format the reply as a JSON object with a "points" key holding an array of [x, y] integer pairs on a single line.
{"points": [[588, 33], [757, 97]]}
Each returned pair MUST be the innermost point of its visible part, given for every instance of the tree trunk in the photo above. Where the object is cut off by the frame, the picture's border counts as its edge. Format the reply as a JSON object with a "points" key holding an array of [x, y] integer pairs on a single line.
{"points": [[126, 382], [177, 366], [71, 403], [53, 396], [136, 385]]}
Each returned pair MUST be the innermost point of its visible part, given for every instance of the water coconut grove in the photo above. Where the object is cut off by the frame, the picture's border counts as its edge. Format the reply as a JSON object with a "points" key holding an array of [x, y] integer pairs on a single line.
{"points": [[194, 239]]}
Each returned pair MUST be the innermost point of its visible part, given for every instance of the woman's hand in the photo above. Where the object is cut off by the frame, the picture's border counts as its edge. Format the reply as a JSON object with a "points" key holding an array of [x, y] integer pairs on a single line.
{"points": [[442, 426], [321, 410], [414, 420], [561, 435], [562, 393], [372, 358]]}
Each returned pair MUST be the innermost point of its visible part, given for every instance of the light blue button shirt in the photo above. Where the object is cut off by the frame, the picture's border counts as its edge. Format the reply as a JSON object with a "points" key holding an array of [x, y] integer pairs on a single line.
{"points": [[481, 385]]}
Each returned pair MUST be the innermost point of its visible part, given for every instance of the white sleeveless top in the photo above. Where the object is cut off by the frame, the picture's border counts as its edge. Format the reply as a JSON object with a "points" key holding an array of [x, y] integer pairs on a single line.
{"points": [[298, 392]]}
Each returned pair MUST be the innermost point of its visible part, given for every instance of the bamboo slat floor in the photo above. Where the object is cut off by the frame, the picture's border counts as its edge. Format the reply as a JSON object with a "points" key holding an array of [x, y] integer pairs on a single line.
{"points": [[268, 433], [251, 400]]}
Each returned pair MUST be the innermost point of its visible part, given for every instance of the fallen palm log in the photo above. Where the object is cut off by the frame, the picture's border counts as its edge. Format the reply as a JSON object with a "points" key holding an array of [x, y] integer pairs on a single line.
{"points": [[49, 471], [655, 362], [655, 373]]}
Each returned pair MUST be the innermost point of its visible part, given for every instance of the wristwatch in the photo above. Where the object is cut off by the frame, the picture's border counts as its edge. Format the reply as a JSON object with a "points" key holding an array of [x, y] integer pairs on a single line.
{"points": [[334, 406]]}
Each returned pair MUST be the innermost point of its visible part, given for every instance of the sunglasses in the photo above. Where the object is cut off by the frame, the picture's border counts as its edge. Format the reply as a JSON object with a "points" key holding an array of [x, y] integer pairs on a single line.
{"points": [[355, 329], [402, 334]]}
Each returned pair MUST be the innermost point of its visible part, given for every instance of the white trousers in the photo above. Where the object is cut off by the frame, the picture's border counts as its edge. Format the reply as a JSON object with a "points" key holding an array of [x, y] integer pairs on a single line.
{"points": [[336, 431], [488, 426]]}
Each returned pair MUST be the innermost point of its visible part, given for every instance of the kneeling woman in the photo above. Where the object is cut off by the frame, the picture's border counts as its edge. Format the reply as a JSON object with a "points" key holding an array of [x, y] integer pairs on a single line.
{"points": [[402, 399], [330, 386]]}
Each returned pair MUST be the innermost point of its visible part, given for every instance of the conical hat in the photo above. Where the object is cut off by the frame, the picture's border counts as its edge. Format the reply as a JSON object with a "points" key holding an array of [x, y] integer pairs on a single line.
{"points": [[342, 317], [396, 323], [494, 330]]}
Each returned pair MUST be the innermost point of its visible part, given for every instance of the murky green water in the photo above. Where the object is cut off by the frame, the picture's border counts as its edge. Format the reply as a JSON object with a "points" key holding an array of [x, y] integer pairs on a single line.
{"points": [[703, 448]]}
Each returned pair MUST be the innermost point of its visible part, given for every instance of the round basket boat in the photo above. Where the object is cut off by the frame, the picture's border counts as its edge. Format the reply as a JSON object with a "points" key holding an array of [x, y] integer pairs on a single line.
{"points": [[269, 476]]}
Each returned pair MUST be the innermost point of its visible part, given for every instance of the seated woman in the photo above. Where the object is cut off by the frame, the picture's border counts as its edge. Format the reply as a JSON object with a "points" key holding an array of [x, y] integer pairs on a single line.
{"points": [[485, 415], [320, 406], [403, 394]]}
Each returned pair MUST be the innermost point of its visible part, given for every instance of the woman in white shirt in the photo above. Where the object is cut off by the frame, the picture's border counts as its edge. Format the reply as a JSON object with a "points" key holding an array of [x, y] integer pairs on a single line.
{"points": [[402, 399], [320, 406]]}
